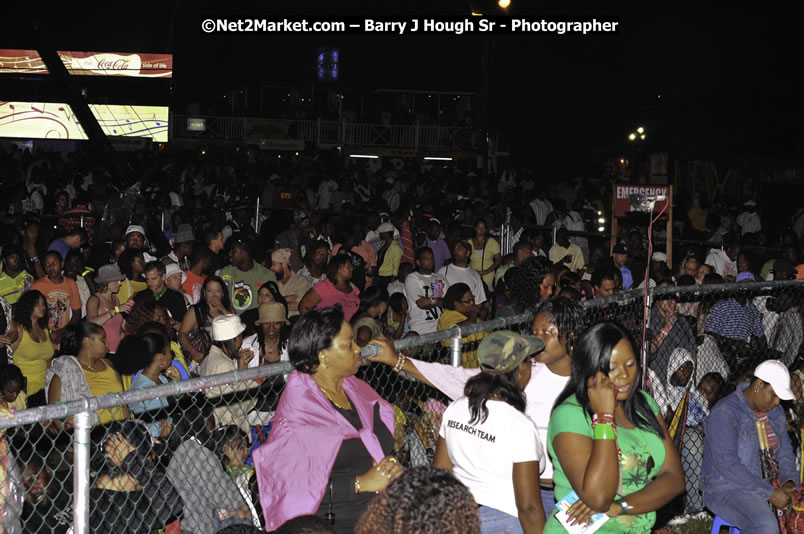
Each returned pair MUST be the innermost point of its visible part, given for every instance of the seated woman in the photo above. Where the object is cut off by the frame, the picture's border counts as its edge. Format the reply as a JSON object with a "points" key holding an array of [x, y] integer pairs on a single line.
{"points": [[272, 332], [460, 309], [334, 434], [29, 339], [396, 318], [366, 320], [210, 495], [195, 333], [150, 362], [133, 494], [86, 374], [268, 292], [732, 483], [607, 439], [225, 355], [336, 289], [489, 443]]}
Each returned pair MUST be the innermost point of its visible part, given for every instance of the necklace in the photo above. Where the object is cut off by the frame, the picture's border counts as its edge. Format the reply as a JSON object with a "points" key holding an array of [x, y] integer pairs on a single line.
{"points": [[324, 391], [88, 368]]}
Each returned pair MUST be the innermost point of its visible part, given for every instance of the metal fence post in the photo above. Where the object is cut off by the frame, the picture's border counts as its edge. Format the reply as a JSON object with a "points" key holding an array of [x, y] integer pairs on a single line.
{"points": [[81, 473], [456, 344]]}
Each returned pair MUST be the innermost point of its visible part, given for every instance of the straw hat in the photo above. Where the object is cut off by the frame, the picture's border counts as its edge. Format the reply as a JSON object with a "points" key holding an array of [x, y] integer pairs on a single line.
{"points": [[272, 312]]}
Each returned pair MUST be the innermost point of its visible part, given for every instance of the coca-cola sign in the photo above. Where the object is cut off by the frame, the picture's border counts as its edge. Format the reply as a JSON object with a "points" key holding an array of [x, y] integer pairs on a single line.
{"points": [[90, 63]]}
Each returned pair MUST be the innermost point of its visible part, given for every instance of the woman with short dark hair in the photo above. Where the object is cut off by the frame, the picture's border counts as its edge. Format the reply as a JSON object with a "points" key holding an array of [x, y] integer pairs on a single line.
{"points": [[334, 434]]}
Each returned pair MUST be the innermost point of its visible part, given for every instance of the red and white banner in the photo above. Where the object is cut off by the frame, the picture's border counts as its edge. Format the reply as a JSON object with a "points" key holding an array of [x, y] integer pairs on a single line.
{"points": [[90, 63], [622, 206]]}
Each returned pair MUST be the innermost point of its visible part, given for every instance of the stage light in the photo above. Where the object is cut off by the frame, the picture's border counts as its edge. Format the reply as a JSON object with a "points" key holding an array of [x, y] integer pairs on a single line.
{"points": [[632, 137], [504, 3], [364, 156], [640, 130]]}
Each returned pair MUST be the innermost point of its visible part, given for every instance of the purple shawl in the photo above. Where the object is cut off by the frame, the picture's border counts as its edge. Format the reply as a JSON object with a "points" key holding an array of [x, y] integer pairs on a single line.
{"points": [[294, 465]]}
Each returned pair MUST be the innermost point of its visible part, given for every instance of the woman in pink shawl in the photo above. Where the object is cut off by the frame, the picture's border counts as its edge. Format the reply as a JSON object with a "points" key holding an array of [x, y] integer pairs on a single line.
{"points": [[330, 448]]}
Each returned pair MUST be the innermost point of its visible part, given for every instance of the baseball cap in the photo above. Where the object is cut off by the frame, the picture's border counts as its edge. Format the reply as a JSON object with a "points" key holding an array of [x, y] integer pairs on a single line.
{"points": [[502, 351], [659, 256], [619, 248], [749, 203], [745, 275], [385, 227], [135, 228], [776, 374]]}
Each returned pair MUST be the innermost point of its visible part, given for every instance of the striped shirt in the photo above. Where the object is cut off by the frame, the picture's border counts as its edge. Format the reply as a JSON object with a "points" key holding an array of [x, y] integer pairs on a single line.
{"points": [[731, 319]]}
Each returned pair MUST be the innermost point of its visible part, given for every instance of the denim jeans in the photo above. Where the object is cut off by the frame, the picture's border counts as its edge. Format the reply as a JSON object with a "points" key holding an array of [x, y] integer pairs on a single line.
{"points": [[548, 499], [493, 521], [746, 510]]}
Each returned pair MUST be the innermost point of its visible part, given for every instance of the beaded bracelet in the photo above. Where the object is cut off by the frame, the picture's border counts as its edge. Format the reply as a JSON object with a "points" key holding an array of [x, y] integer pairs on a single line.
{"points": [[400, 363]]}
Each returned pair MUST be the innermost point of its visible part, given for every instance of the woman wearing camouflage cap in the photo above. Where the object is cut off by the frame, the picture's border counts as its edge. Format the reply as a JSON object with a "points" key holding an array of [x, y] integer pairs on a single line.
{"points": [[489, 443]]}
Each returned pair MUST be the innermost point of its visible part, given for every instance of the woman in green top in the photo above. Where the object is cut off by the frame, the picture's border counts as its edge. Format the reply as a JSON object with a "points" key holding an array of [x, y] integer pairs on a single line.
{"points": [[607, 439]]}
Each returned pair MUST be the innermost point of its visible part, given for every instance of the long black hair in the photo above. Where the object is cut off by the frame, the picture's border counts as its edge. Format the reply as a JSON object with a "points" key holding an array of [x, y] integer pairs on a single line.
{"points": [[23, 309], [203, 306], [592, 354], [484, 386]]}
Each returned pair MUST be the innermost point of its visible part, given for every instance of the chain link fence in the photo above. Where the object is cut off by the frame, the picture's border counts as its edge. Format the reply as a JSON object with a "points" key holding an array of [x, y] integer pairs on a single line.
{"points": [[187, 456]]}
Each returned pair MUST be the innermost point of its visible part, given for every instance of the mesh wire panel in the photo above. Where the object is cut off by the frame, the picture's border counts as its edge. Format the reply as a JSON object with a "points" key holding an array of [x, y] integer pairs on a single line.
{"points": [[188, 457]]}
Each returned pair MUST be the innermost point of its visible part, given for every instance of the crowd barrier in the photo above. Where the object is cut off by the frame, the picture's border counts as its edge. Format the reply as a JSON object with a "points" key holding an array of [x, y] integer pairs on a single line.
{"points": [[58, 472]]}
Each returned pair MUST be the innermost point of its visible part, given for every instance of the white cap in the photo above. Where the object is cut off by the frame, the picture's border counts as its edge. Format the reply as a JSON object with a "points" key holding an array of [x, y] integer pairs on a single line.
{"points": [[776, 374], [659, 256], [173, 268], [135, 228], [749, 203], [385, 227], [229, 327]]}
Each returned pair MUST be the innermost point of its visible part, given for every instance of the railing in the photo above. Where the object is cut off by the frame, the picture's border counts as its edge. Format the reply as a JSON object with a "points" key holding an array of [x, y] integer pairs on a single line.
{"points": [[329, 133], [446, 346]]}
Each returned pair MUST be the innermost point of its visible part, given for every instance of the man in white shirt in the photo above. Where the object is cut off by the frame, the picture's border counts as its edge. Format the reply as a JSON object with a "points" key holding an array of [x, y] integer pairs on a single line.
{"points": [[725, 261], [748, 220], [459, 271], [325, 189], [541, 207], [425, 290]]}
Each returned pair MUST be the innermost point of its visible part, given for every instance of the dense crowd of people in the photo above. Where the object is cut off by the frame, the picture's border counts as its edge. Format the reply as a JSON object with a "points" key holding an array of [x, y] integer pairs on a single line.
{"points": [[183, 275]]}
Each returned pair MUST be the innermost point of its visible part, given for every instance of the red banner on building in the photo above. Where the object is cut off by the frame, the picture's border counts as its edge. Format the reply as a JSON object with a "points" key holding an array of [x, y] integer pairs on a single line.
{"points": [[90, 63], [627, 197]]}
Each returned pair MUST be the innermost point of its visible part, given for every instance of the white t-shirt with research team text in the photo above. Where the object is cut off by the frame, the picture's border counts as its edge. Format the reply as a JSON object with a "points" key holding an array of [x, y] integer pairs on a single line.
{"points": [[483, 454]]}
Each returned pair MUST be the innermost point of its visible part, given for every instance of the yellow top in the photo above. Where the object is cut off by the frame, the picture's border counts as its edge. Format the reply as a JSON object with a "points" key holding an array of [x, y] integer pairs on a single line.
{"points": [[484, 258], [20, 404], [449, 319], [32, 358], [102, 383], [128, 289]]}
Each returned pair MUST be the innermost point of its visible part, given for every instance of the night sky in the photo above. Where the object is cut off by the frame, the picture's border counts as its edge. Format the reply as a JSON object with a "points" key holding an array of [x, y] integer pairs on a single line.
{"points": [[728, 79]]}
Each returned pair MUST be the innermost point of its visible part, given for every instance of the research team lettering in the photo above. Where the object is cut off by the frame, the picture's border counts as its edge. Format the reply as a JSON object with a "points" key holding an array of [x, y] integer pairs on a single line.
{"points": [[471, 430]]}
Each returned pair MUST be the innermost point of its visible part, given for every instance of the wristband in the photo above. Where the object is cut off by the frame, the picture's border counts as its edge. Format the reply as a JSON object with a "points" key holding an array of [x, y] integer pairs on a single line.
{"points": [[665, 331], [604, 431], [400, 363], [357, 485], [117, 309]]}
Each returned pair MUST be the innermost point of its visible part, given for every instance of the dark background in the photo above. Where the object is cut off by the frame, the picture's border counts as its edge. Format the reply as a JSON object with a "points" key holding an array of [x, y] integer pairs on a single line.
{"points": [[728, 79]]}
